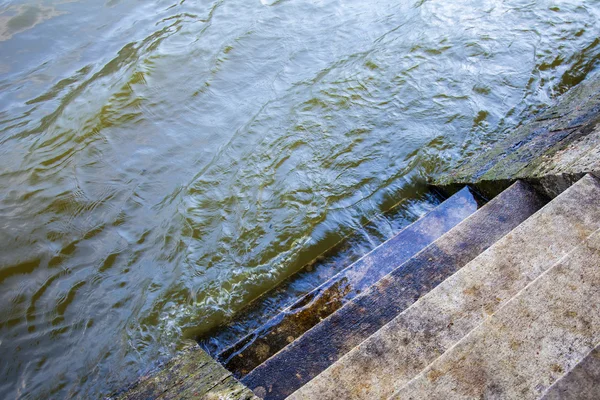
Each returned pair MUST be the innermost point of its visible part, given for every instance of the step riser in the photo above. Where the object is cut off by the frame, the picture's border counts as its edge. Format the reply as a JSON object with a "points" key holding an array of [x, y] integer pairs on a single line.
{"points": [[356, 321], [528, 344], [332, 295], [400, 350]]}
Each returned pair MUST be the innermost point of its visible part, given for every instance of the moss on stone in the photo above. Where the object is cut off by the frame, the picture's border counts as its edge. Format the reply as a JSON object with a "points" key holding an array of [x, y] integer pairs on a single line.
{"points": [[561, 141]]}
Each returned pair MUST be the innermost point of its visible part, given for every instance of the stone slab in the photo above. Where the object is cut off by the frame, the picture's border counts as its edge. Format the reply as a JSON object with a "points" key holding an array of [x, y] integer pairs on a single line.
{"points": [[396, 353], [528, 344], [193, 374], [581, 383], [554, 148], [325, 343], [317, 305]]}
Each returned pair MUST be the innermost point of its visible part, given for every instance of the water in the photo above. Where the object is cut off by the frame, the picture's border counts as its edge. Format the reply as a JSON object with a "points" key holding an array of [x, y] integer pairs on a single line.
{"points": [[162, 163], [233, 334]]}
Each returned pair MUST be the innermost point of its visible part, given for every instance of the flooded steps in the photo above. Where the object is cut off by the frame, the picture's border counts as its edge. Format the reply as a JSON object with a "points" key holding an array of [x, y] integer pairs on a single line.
{"points": [[527, 345], [432, 326], [581, 382], [335, 255], [326, 342], [315, 306]]}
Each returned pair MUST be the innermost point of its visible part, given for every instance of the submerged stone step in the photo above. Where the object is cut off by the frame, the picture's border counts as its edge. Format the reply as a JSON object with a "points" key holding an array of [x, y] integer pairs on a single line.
{"points": [[527, 344], [396, 353], [580, 383], [310, 309], [325, 343], [331, 261]]}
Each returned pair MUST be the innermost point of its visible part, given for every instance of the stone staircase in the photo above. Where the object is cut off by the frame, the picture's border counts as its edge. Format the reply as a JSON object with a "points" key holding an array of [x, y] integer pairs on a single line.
{"points": [[500, 301], [504, 304], [318, 304]]}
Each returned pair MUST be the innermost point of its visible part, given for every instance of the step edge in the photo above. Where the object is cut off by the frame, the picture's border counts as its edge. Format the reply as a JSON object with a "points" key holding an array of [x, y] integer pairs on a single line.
{"points": [[551, 387]]}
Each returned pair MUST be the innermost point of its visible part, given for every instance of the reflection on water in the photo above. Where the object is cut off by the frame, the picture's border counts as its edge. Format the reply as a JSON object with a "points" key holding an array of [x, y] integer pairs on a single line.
{"points": [[164, 162]]}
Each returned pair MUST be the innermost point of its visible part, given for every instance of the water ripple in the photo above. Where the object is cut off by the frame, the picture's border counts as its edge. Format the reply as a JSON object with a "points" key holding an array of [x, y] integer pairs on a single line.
{"points": [[165, 163]]}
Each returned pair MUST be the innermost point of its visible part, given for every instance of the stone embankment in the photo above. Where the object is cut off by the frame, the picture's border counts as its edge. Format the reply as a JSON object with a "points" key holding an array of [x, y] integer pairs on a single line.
{"points": [[552, 150]]}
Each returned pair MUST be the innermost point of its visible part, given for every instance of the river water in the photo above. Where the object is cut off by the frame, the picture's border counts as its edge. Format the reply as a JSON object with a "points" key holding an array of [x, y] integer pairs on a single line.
{"points": [[162, 163]]}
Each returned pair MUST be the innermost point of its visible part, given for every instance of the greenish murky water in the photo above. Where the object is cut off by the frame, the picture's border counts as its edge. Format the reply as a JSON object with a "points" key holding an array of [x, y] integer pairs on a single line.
{"points": [[162, 163]]}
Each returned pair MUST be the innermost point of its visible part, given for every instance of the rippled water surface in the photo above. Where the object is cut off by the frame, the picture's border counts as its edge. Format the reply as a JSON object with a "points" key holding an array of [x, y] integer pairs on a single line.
{"points": [[162, 163]]}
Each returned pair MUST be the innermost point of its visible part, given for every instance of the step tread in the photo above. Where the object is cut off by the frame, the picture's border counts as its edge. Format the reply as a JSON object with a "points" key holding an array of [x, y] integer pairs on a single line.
{"points": [[526, 346], [400, 350], [325, 343], [580, 383], [311, 308]]}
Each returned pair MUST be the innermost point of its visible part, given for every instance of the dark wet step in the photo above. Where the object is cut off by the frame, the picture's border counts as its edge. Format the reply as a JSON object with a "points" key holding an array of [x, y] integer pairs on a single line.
{"points": [[326, 342], [315, 306], [337, 253]]}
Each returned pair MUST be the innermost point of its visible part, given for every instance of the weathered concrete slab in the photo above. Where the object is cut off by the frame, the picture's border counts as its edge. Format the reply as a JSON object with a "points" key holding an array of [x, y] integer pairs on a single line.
{"points": [[325, 343], [396, 353], [581, 383], [191, 375], [553, 149], [331, 295], [528, 344]]}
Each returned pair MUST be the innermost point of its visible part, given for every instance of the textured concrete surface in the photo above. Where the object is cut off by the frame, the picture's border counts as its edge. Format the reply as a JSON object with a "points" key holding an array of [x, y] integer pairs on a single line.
{"points": [[356, 321], [191, 375], [553, 149], [581, 383], [400, 350], [331, 295], [529, 343]]}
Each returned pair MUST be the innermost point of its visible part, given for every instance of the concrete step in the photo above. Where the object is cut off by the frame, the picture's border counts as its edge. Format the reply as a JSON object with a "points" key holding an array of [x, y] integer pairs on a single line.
{"points": [[526, 346], [416, 337], [310, 309], [580, 383], [326, 342]]}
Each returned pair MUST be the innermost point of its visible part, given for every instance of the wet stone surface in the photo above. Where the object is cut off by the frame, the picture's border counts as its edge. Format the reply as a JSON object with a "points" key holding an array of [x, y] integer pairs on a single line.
{"points": [[325, 343], [191, 375], [395, 354], [350, 282], [553, 149]]}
